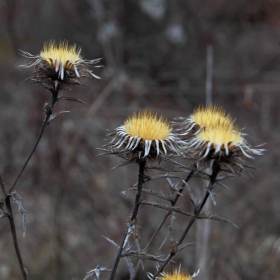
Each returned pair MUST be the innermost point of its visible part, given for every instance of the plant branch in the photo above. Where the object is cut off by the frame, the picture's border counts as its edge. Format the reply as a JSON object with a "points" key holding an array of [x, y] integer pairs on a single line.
{"points": [[173, 203], [197, 210], [13, 228], [141, 176], [48, 109]]}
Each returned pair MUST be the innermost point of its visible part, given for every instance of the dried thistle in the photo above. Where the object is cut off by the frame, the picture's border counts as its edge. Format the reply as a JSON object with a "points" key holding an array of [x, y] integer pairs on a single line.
{"points": [[208, 117], [212, 136], [59, 66], [175, 275], [144, 135]]}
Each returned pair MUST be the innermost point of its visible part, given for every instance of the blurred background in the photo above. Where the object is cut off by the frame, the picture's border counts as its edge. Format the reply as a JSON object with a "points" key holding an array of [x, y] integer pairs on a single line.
{"points": [[157, 54]]}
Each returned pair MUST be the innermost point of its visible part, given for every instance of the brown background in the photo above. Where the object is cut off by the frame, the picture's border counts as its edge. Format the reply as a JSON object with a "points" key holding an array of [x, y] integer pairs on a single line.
{"points": [[155, 56]]}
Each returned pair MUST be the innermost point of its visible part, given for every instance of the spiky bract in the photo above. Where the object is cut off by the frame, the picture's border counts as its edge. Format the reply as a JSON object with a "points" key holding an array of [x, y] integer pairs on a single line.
{"points": [[175, 275], [208, 117], [145, 135], [212, 135], [59, 65]]}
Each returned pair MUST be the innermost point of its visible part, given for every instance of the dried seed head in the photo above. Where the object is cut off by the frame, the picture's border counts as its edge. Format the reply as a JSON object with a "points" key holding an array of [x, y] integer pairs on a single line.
{"points": [[212, 135], [175, 275], [59, 65], [145, 135], [208, 117]]}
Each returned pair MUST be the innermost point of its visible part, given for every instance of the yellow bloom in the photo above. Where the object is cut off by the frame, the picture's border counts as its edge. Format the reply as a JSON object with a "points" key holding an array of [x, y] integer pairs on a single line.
{"points": [[208, 117], [148, 126], [175, 275], [61, 57], [220, 142], [211, 116], [219, 138], [145, 135], [59, 65], [210, 134]]}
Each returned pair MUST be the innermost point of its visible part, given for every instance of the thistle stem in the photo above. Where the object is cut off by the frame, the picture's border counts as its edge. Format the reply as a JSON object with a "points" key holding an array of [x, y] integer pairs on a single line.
{"points": [[174, 250], [13, 228], [45, 123], [173, 203], [142, 165]]}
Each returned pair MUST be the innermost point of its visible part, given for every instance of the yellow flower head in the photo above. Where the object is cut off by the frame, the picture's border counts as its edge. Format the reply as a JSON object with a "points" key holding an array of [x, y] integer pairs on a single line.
{"points": [[148, 126], [204, 118], [62, 56], [218, 140], [211, 116], [210, 134], [145, 134], [175, 275], [59, 65]]}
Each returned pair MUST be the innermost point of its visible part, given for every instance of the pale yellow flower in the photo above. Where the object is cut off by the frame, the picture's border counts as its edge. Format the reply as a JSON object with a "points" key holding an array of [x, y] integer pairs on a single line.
{"points": [[211, 134], [202, 117], [175, 275], [59, 65], [145, 134]]}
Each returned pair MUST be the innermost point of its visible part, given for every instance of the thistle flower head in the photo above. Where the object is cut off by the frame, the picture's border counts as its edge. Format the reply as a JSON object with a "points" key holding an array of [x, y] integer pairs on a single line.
{"points": [[221, 143], [175, 275], [144, 134], [211, 116], [59, 65], [202, 117], [212, 135]]}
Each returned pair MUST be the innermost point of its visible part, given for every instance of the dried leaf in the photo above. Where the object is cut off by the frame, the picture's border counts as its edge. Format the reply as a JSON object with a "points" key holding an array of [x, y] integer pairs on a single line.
{"points": [[96, 272], [216, 218], [112, 242], [53, 116], [71, 99], [18, 201]]}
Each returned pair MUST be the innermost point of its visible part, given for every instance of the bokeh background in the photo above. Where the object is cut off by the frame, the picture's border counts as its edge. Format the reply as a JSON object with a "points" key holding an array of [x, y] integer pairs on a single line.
{"points": [[155, 54]]}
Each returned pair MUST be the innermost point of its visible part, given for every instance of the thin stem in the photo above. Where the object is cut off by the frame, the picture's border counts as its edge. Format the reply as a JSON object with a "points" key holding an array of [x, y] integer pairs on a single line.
{"points": [[46, 121], [137, 202], [3, 187], [14, 234], [32, 152], [174, 250], [173, 203], [141, 174], [13, 228]]}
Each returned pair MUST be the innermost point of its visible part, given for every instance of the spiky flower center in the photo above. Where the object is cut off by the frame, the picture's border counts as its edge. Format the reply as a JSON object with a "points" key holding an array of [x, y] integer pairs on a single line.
{"points": [[63, 53], [221, 136], [176, 276], [212, 117], [148, 126]]}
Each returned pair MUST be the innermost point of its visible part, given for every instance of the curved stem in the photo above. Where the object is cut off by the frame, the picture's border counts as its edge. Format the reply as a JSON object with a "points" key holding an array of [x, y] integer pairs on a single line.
{"points": [[13, 228], [174, 250], [32, 152], [46, 121], [14, 235], [142, 165], [173, 203]]}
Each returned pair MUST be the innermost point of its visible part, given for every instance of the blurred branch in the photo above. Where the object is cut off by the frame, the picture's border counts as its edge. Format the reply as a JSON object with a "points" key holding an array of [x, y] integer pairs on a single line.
{"points": [[197, 210]]}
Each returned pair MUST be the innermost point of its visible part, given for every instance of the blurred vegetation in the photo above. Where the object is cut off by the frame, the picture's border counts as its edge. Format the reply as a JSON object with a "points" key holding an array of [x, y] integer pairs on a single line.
{"points": [[155, 56]]}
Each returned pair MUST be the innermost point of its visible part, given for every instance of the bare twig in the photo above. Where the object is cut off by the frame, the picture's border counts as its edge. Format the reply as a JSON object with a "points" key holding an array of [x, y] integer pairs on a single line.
{"points": [[48, 109], [197, 210], [13, 228], [141, 178]]}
